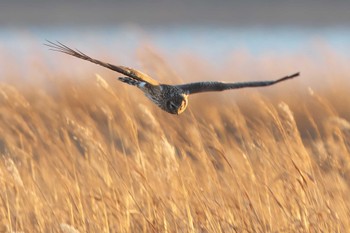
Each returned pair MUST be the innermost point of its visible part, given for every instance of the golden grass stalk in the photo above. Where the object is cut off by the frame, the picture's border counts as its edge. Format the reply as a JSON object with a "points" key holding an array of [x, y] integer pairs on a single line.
{"points": [[97, 154]]}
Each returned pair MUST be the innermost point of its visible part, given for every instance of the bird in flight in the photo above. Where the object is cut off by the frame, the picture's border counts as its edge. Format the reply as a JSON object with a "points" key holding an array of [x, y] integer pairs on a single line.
{"points": [[170, 98]]}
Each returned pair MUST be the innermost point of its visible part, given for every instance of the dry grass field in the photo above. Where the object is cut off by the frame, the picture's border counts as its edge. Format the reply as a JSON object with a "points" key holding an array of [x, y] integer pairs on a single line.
{"points": [[82, 152]]}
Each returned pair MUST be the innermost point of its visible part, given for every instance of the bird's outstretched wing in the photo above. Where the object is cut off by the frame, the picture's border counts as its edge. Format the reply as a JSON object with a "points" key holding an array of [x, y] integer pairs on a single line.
{"points": [[135, 74], [192, 88]]}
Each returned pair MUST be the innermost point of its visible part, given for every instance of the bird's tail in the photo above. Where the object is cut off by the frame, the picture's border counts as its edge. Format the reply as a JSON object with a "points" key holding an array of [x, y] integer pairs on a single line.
{"points": [[131, 81]]}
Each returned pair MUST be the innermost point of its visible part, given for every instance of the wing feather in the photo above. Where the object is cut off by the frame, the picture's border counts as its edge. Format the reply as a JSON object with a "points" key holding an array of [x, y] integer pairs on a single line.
{"points": [[192, 88], [138, 75]]}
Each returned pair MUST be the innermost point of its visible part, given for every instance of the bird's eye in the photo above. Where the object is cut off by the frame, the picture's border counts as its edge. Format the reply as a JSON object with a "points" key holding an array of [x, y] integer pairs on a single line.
{"points": [[171, 105]]}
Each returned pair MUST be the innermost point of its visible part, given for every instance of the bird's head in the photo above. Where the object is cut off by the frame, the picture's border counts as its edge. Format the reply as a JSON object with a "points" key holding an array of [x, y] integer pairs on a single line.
{"points": [[177, 104]]}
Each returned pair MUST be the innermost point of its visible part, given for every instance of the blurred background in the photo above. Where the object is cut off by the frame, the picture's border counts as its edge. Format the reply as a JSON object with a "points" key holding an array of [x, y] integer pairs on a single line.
{"points": [[97, 156], [217, 32]]}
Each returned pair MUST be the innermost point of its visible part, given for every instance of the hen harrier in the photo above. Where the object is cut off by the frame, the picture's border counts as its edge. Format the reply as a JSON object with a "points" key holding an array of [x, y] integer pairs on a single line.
{"points": [[170, 98]]}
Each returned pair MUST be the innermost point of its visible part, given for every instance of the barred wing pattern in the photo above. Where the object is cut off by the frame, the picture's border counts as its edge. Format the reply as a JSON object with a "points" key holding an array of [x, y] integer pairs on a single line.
{"points": [[132, 73], [192, 88]]}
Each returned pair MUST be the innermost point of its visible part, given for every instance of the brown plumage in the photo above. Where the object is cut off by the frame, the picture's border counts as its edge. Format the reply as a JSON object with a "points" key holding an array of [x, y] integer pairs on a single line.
{"points": [[171, 98]]}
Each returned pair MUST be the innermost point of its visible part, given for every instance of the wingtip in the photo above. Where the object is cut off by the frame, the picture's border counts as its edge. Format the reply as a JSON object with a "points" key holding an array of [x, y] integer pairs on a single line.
{"points": [[288, 77], [296, 74], [293, 75], [47, 42]]}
